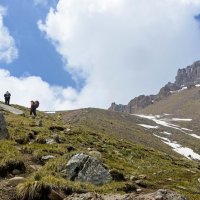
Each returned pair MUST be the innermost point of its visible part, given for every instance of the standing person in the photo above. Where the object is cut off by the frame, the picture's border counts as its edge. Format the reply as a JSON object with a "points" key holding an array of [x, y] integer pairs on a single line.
{"points": [[33, 108], [7, 98]]}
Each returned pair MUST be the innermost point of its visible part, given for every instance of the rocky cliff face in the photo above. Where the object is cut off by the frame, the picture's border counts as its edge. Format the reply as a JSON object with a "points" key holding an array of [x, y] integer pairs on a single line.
{"points": [[185, 77], [118, 108], [189, 75]]}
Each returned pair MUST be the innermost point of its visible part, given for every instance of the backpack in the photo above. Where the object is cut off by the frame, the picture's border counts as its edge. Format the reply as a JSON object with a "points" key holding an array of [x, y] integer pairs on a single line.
{"points": [[36, 103]]}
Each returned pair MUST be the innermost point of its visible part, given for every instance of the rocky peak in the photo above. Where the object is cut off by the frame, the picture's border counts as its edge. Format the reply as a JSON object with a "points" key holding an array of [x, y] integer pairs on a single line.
{"points": [[139, 103], [189, 75], [186, 77], [118, 108]]}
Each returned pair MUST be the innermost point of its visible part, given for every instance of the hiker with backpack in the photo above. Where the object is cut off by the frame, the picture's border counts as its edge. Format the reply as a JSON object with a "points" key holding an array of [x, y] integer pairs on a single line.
{"points": [[7, 98], [34, 106]]}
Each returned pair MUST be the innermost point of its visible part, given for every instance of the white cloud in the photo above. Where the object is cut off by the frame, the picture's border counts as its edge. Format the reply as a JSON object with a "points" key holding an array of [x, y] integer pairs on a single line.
{"points": [[25, 89], [8, 50], [123, 48]]}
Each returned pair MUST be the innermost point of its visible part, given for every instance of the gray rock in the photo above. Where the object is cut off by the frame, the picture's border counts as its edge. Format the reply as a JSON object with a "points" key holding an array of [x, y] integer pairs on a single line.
{"points": [[50, 141], [118, 108], [159, 195], [47, 157], [39, 123], [3, 128], [85, 168], [15, 181], [16, 172], [95, 154], [87, 196], [189, 75]]}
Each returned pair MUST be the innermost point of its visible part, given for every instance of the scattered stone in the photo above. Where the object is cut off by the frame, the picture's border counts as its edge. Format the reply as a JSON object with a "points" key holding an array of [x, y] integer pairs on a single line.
{"points": [[15, 181], [39, 123], [199, 180], [138, 190], [117, 176], [142, 176], [161, 195], [50, 141], [57, 138], [87, 196], [16, 172], [133, 178], [95, 154], [85, 168], [44, 158], [169, 179], [70, 148], [35, 167], [181, 187], [3, 128], [56, 128], [193, 172], [141, 183], [56, 195]]}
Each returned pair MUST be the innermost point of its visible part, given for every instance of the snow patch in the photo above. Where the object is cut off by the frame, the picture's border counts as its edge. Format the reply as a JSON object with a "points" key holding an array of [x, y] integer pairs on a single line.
{"points": [[179, 119], [186, 129], [195, 136], [166, 133], [175, 91], [148, 126], [50, 112], [184, 151]]}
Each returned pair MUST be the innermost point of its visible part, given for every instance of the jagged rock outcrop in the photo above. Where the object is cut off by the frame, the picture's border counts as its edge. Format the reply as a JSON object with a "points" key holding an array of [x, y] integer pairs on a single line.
{"points": [[186, 77], [139, 103], [3, 128], [189, 75], [118, 108], [85, 168], [166, 90]]}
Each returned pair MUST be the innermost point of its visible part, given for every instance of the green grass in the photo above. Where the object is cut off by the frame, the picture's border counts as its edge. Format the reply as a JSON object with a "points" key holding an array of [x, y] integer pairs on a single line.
{"points": [[103, 131]]}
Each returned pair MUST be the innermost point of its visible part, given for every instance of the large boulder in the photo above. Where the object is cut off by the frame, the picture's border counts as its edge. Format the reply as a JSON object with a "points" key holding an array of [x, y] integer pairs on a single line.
{"points": [[85, 168], [3, 128]]}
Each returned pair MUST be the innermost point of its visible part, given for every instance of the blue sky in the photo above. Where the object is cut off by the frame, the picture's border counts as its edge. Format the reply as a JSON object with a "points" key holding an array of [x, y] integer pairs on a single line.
{"points": [[37, 56], [72, 54]]}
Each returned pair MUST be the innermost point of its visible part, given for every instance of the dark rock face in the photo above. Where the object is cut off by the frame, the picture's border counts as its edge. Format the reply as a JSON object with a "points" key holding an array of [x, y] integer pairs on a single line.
{"points": [[85, 168], [139, 103], [118, 108], [3, 128], [189, 75], [186, 77]]}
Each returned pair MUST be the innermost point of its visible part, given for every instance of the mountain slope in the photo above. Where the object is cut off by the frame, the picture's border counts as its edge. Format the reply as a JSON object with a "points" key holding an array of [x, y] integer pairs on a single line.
{"points": [[187, 77], [64, 134]]}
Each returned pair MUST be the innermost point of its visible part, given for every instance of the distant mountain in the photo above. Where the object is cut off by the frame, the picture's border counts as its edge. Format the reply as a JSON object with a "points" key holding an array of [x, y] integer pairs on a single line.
{"points": [[186, 78]]}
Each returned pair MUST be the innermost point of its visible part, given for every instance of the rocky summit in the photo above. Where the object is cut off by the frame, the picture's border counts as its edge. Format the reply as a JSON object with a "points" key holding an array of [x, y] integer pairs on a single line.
{"points": [[186, 78]]}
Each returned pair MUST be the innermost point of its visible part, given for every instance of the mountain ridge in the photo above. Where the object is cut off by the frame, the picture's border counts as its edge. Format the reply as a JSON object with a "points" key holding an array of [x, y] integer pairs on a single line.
{"points": [[186, 77]]}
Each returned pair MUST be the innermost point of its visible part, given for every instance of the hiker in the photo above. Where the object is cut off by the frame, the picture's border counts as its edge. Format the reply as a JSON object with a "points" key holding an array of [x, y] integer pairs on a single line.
{"points": [[7, 98], [34, 106]]}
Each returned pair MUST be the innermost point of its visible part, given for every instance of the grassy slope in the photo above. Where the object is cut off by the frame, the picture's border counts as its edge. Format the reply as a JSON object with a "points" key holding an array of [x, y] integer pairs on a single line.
{"points": [[183, 104], [96, 129]]}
